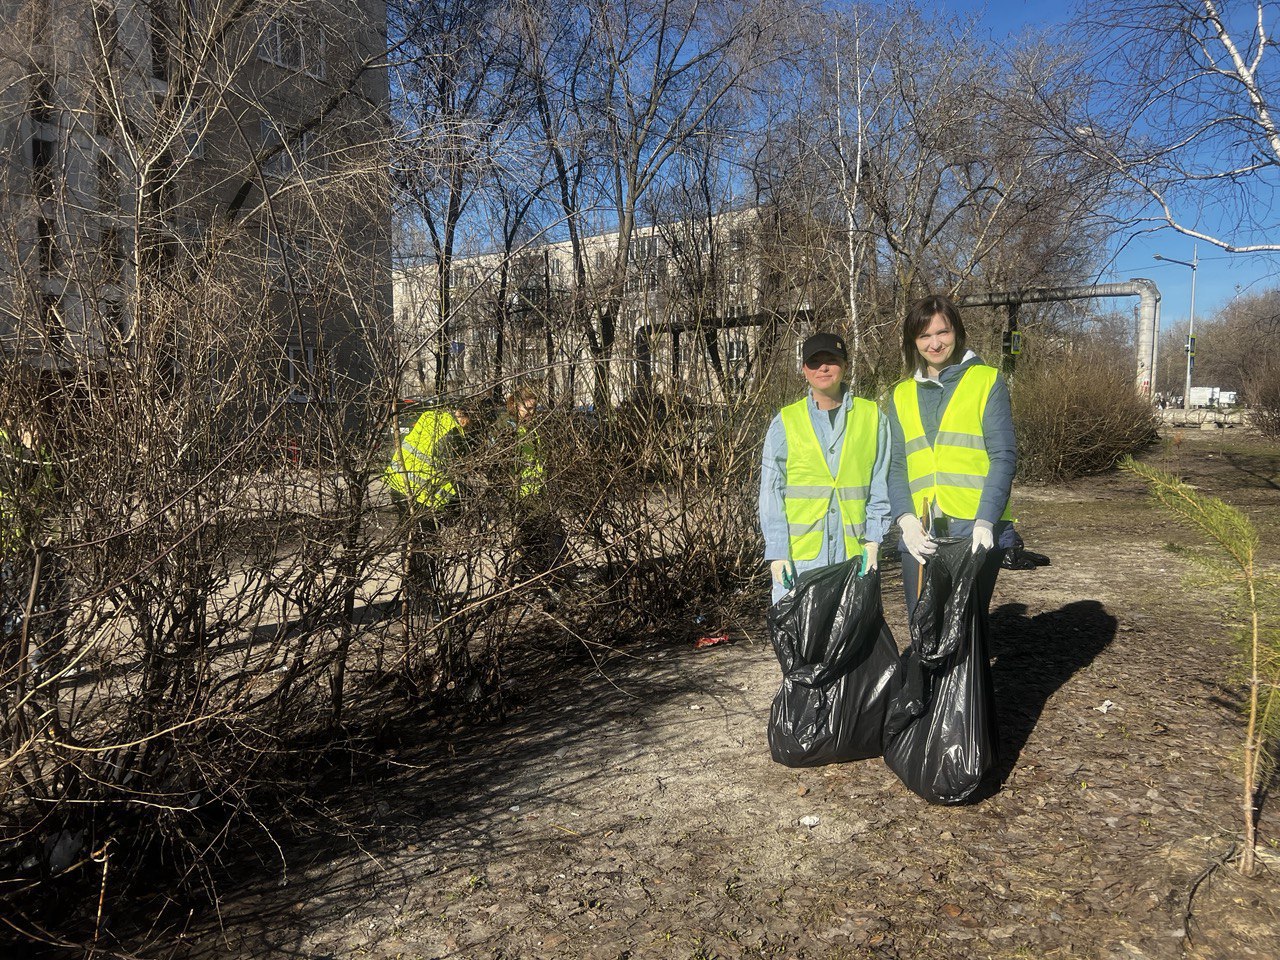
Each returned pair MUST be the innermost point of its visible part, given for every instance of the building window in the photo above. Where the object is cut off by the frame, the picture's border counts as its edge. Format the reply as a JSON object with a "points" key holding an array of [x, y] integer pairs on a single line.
{"points": [[644, 248], [304, 370], [313, 54], [42, 100], [42, 157], [297, 150], [288, 258], [280, 42], [280, 162], [293, 43], [737, 351], [160, 38]]}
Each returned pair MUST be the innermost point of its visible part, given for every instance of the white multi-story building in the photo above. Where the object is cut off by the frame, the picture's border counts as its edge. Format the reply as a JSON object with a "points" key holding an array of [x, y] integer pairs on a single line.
{"points": [[696, 300]]}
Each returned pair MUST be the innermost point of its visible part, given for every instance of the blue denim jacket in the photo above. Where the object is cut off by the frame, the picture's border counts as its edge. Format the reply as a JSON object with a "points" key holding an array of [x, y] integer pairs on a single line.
{"points": [[773, 483]]}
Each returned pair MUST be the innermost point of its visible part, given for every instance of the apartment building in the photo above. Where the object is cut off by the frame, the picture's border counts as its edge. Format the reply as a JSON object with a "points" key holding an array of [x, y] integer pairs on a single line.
{"points": [[700, 300], [174, 166]]}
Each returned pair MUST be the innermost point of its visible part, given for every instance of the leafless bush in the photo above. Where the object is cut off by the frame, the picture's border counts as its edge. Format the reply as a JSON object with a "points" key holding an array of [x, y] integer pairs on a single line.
{"points": [[1077, 412], [1263, 398]]}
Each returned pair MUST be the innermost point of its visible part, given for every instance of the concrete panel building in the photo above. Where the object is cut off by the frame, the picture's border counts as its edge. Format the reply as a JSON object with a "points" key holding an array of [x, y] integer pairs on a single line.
{"points": [[168, 166], [699, 300]]}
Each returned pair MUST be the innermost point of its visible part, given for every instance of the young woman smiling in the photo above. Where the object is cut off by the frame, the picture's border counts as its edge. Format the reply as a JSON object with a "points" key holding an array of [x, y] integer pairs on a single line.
{"points": [[953, 452]]}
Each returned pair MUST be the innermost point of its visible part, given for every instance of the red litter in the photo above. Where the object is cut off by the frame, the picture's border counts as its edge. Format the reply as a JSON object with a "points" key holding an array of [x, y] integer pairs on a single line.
{"points": [[711, 641]]}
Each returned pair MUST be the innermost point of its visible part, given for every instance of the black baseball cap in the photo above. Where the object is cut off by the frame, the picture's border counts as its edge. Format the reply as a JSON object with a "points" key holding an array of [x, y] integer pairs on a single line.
{"points": [[823, 342]]}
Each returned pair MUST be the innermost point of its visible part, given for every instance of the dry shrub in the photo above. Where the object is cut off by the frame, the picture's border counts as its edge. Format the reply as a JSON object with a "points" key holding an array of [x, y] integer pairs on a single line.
{"points": [[1263, 396], [662, 499], [1076, 413]]}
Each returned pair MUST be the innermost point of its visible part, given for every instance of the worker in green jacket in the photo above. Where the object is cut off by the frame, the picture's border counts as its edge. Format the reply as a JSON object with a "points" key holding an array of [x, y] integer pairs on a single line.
{"points": [[26, 486], [540, 537]]}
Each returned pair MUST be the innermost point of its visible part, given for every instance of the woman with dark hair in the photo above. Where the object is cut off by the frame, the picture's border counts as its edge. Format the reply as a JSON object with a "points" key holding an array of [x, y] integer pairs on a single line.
{"points": [[953, 449]]}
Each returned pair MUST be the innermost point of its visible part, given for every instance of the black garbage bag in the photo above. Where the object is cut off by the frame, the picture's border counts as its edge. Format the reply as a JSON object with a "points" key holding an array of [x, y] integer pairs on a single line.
{"points": [[837, 657], [1017, 556], [940, 730]]}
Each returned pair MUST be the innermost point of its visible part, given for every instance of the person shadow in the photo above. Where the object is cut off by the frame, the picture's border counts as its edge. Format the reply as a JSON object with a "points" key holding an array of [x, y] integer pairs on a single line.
{"points": [[1033, 657]]}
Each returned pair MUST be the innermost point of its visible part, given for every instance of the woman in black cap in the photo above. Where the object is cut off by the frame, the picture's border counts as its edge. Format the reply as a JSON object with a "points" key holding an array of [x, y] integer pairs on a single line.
{"points": [[823, 478]]}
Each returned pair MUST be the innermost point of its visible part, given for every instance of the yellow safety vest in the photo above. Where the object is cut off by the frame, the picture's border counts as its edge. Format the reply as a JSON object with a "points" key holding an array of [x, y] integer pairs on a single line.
{"points": [[412, 471], [952, 472], [810, 485], [531, 469]]}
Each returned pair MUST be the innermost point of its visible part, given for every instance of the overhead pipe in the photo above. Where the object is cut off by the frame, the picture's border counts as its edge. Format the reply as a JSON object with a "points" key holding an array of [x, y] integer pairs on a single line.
{"points": [[1148, 312]]}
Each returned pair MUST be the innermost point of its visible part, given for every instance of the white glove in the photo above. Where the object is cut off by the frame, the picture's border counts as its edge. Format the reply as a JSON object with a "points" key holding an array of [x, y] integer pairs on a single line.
{"points": [[983, 538], [871, 551], [784, 572], [918, 543]]}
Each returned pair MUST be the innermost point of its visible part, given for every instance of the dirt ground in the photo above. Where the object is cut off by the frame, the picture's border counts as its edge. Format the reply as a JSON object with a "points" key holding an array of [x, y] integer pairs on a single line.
{"points": [[629, 807]]}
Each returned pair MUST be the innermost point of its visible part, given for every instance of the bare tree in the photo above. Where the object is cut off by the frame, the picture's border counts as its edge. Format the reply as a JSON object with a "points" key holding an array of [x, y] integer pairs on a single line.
{"points": [[195, 351], [1183, 110], [914, 156], [456, 87], [621, 88]]}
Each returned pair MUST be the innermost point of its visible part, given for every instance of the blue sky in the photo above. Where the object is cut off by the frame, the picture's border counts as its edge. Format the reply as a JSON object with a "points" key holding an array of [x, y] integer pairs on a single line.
{"points": [[1220, 276]]}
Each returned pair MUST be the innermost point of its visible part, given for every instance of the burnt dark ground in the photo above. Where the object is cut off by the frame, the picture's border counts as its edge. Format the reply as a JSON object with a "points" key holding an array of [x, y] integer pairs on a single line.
{"points": [[628, 806]]}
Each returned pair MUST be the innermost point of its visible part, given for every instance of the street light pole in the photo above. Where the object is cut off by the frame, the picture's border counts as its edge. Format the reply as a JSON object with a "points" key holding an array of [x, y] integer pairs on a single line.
{"points": [[1191, 323]]}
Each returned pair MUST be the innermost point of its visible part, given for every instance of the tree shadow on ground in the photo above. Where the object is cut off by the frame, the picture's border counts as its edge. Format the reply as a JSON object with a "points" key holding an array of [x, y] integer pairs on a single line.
{"points": [[1035, 656], [435, 798], [1261, 469]]}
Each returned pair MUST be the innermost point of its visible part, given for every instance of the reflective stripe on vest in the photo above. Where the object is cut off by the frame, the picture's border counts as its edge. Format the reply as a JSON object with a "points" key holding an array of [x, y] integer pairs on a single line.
{"points": [[412, 471], [953, 471], [810, 485]]}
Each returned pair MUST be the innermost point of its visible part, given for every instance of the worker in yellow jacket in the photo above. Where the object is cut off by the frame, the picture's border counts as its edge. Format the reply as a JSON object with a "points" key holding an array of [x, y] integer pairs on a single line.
{"points": [[422, 469], [824, 469], [954, 451], [424, 475]]}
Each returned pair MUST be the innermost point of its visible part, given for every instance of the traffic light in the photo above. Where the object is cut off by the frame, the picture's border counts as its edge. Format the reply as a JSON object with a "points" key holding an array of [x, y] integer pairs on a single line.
{"points": [[1191, 345], [1012, 342]]}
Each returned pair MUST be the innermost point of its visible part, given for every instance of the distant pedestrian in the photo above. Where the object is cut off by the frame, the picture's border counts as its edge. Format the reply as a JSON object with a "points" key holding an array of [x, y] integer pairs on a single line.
{"points": [[824, 468]]}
